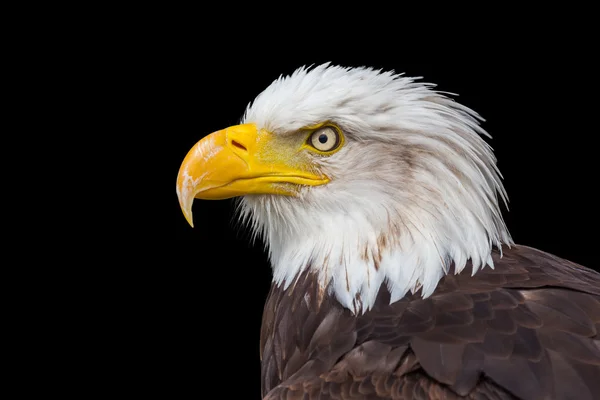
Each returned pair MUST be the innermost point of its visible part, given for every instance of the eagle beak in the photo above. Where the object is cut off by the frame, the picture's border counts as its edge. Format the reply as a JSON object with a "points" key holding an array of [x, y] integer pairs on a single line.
{"points": [[241, 160]]}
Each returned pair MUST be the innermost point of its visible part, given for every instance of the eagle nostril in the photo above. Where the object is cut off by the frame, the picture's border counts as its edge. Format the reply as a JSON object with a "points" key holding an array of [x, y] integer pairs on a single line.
{"points": [[238, 145]]}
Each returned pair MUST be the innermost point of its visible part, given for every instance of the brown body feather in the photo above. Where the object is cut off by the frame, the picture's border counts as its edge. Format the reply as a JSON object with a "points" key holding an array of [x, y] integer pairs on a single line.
{"points": [[528, 329]]}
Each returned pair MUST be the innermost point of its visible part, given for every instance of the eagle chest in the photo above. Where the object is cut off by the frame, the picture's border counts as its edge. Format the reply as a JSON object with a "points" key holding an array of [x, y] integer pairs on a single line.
{"points": [[471, 337]]}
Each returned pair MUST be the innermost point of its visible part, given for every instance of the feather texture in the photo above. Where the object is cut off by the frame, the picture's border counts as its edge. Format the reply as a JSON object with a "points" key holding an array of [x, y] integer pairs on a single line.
{"points": [[397, 279], [414, 185], [490, 336]]}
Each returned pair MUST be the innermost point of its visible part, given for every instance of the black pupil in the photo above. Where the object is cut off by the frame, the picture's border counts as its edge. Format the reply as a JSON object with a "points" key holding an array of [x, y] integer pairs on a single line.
{"points": [[323, 138]]}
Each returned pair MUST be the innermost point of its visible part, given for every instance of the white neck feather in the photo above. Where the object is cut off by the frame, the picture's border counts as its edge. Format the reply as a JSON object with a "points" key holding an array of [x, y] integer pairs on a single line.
{"points": [[414, 189]]}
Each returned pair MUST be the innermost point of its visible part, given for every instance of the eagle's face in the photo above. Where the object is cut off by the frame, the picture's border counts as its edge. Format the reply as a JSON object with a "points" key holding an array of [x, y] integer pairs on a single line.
{"points": [[360, 175]]}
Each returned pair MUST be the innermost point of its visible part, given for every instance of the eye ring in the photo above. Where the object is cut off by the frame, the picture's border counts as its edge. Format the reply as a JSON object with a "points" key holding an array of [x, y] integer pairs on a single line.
{"points": [[325, 139]]}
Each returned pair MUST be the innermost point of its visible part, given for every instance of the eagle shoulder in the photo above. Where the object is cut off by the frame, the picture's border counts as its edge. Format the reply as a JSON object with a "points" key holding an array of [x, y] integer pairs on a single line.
{"points": [[529, 328]]}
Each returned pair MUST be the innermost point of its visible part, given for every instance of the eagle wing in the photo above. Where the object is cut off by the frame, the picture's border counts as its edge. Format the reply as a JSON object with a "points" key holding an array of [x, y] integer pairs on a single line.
{"points": [[530, 329]]}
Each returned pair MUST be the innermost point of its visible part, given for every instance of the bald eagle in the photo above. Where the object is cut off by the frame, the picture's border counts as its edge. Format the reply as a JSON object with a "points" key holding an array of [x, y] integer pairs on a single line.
{"points": [[394, 274]]}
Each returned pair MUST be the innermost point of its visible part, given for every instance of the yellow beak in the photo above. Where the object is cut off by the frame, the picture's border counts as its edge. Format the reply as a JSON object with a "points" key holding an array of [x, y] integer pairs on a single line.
{"points": [[242, 160]]}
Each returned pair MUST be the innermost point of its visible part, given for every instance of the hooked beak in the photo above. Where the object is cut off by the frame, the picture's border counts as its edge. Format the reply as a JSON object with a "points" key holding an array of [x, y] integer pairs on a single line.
{"points": [[241, 160]]}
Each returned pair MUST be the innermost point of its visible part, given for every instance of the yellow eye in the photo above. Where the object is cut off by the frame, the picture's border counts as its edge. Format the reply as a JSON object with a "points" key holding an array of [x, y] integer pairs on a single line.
{"points": [[325, 139]]}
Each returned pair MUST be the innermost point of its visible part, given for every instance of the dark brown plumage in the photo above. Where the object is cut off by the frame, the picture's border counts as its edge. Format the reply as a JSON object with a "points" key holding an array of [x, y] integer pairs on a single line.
{"points": [[528, 329]]}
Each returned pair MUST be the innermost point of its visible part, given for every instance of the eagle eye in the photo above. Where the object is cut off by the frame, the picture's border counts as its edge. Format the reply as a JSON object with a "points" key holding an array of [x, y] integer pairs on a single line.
{"points": [[325, 139]]}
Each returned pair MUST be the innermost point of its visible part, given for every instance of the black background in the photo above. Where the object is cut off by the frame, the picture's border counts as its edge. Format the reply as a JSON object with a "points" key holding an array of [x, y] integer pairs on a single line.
{"points": [[531, 89]]}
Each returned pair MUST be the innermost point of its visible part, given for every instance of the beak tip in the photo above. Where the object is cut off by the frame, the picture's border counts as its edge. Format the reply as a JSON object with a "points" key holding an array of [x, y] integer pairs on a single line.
{"points": [[190, 221], [187, 213], [186, 209]]}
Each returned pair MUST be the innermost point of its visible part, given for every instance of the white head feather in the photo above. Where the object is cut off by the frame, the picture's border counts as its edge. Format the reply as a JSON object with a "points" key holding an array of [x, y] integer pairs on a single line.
{"points": [[414, 189]]}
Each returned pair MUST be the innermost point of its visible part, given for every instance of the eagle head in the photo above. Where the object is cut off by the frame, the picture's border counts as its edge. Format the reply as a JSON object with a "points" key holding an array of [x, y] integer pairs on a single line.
{"points": [[359, 176]]}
